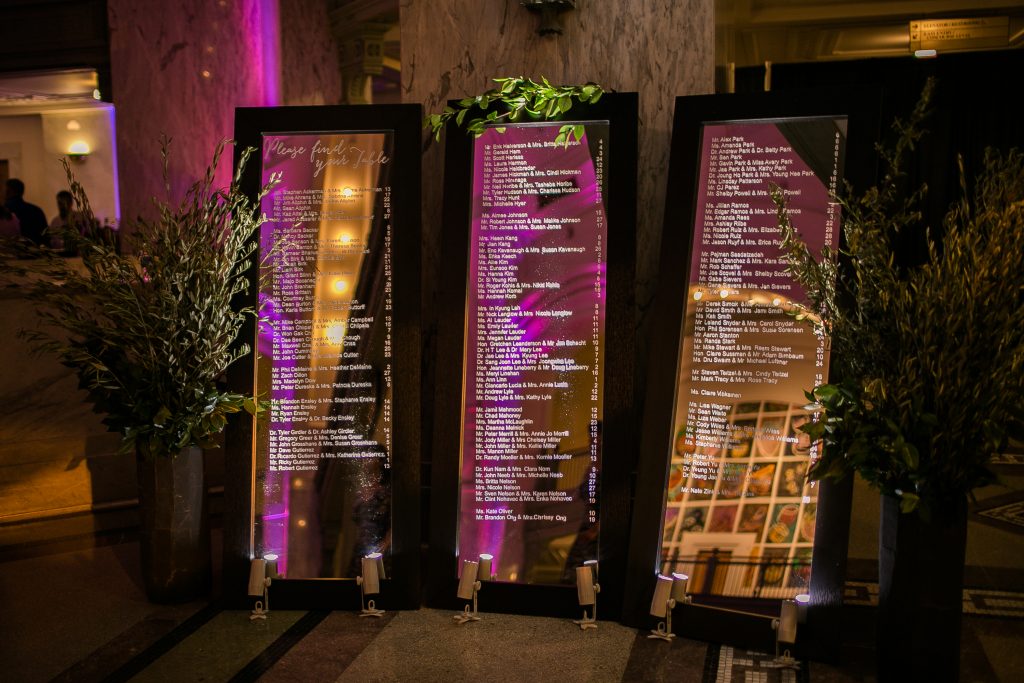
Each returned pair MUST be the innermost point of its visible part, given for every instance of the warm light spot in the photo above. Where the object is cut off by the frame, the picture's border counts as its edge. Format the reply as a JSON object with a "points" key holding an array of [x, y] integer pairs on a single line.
{"points": [[270, 557], [776, 301], [297, 484], [347, 192], [336, 333], [301, 523], [204, 73], [96, 93], [698, 295], [345, 238], [79, 148], [803, 598], [74, 125], [209, 49], [340, 286], [724, 293]]}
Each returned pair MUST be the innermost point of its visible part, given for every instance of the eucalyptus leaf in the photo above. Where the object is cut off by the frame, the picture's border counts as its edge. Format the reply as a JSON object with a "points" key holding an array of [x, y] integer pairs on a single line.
{"points": [[514, 98]]}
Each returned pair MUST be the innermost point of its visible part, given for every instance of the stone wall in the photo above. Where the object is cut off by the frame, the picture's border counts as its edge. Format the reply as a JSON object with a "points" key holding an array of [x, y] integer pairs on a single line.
{"points": [[659, 48], [181, 68], [310, 68]]}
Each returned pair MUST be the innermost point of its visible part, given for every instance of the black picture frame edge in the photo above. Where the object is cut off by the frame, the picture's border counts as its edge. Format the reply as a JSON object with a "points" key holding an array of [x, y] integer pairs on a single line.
{"points": [[403, 589], [862, 107], [619, 424]]}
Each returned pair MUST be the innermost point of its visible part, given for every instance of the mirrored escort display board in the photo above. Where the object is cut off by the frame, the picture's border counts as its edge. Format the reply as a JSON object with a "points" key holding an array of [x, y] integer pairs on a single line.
{"points": [[324, 353], [534, 352], [737, 489], [722, 489], [521, 474], [333, 472]]}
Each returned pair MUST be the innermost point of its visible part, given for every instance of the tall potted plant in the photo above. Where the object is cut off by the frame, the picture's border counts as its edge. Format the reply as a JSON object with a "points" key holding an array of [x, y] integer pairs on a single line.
{"points": [[930, 361], [150, 337]]}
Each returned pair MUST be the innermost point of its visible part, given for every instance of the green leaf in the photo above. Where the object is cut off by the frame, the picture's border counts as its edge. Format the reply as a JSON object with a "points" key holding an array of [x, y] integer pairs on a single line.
{"points": [[579, 130], [908, 501]]}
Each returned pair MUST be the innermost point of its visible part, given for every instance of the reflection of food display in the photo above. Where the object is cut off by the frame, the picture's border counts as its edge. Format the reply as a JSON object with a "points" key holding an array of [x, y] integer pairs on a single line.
{"points": [[753, 485], [799, 443], [769, 437], [783, 523], [701, 488], [741, 437], [807, 522], [684, 442], [731, 480], [753, 518], [760, 481], [693, 519], [791, 481], [800, 575], [676, 479], [722, 518], [774, 566], [670, 523]]}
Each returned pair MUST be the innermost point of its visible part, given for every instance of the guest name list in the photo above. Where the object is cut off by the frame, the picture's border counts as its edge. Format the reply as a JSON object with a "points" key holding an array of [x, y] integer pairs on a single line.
{"points": [[744, 346], [534, 341], [320, 222]]}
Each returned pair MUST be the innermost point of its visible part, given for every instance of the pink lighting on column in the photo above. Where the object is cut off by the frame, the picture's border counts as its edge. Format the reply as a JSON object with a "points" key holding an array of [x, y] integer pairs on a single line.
{"points": [[265, 48]]}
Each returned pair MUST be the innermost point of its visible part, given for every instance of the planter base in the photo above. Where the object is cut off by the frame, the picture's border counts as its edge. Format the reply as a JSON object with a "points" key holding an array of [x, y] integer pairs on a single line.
{"points": [[174, 534], [920, 594]]}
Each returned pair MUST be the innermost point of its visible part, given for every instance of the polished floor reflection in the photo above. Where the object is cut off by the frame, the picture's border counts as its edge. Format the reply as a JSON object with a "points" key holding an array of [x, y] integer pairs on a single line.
{"points": [[74, 610]]}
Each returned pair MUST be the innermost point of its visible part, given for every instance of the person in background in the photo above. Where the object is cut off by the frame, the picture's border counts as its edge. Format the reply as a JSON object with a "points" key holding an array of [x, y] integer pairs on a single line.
{"points": [[30, 216], [66, 218], [9, 225]]}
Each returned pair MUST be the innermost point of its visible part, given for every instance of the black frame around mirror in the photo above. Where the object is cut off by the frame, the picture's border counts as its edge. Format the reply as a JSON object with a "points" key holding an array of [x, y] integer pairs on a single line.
{"points": [[401, 124], [860, 109], [619, 110]]}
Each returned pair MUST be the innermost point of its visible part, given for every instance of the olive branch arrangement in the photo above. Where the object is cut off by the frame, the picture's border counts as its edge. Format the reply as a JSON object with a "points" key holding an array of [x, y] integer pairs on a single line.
{"points": [[514, 99], [151, 336], [929, 356]]}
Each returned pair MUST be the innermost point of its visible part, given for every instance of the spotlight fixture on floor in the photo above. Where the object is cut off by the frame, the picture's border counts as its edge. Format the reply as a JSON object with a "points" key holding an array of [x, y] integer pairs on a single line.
{"points": [[271, 569], [587, 589], [369, 584], [259, 586], [469, 586], [802, 601], [379, 559], [661, 607], [485, 572], [785, 634]]}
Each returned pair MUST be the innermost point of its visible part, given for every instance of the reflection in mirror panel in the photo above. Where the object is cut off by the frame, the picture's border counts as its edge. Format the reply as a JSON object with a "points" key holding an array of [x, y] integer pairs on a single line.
{"points": [[322, 494], [739, 513], [533, 369]]}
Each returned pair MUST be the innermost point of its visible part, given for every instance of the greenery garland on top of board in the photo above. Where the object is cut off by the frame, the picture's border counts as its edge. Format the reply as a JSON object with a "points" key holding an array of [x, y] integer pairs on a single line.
{"points": [[515, 99]]}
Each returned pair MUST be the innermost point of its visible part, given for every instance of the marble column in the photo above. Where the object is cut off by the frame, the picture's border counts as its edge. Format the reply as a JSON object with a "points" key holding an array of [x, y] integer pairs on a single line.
{"points": [[181, 68]]}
